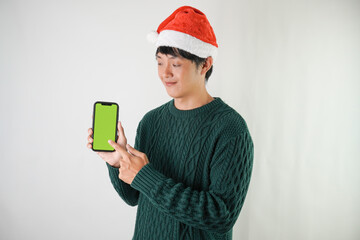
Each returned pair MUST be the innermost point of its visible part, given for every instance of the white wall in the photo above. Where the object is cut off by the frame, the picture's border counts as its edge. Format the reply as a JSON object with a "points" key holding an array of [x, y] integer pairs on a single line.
{"points": [[290, 68]]}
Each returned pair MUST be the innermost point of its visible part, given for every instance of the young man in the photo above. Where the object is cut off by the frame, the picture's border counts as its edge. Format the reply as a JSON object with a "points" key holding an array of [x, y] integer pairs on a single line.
{"points": [[190, 168]]}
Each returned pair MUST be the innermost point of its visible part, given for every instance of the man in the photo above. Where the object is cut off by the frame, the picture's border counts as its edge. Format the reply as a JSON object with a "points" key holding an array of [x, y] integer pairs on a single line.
{"points": [[190, 168]]}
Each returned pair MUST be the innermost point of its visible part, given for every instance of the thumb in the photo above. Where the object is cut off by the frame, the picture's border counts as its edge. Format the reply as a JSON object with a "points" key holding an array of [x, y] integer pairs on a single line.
{"points": [[133, 151], [121, 135]]}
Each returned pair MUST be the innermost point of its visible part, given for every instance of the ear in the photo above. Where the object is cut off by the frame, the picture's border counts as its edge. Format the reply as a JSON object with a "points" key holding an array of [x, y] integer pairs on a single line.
{"points": [[207, 65]]}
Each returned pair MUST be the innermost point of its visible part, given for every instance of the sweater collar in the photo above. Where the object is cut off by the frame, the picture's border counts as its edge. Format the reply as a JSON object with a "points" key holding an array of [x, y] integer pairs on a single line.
{"points": [[196, 111]]}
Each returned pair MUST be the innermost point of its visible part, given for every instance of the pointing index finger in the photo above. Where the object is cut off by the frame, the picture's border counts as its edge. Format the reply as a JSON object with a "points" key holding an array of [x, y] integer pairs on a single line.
{"points": [[118, 148]]}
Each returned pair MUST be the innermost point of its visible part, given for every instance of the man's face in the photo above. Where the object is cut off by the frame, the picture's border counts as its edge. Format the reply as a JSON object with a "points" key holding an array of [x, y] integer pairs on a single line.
{"points": [[179, 75]]}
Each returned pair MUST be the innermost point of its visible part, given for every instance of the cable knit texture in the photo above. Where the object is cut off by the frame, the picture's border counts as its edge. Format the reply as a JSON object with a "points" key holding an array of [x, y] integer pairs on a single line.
{"points": [[199, 172]]}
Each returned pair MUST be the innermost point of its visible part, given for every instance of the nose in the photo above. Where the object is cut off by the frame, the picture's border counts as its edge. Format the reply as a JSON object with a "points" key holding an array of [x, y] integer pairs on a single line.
{"points": [[166, 71]]}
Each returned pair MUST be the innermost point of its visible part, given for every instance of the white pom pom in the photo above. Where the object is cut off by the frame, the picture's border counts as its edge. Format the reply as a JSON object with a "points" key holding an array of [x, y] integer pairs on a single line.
{"points": [[152, 36]]}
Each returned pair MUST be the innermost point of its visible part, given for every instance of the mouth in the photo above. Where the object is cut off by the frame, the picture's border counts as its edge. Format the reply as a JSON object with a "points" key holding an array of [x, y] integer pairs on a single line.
{"points": [[169, 84]]}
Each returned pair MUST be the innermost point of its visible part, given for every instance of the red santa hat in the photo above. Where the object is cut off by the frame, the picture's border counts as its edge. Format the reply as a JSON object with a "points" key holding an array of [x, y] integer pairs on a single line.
{"points": [[188, 29]]}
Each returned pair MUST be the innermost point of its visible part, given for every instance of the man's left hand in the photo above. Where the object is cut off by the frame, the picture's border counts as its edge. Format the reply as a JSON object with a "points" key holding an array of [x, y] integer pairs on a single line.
{"points": [[131, 162]]}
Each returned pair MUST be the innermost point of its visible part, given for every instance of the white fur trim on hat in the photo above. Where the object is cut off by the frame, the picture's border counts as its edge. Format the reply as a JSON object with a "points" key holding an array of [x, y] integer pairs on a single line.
{"points": [[187, 43], [152, 36]]}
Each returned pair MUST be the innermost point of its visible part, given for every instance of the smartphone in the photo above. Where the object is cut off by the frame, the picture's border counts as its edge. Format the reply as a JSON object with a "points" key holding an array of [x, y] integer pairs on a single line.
{"points": [[105, 118]]}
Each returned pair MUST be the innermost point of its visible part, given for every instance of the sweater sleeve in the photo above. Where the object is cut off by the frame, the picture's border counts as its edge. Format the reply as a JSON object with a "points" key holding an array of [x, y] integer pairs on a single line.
{"points": [[125, 191], [216, 209]]}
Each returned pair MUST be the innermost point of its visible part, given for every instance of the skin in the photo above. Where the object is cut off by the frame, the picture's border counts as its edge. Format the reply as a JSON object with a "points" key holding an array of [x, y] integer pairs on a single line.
{"points": [[189, 90], [185, 83]]}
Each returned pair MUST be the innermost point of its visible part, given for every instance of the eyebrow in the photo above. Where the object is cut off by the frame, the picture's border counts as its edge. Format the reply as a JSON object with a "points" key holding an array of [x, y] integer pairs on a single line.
{"points": [[171, 56]]}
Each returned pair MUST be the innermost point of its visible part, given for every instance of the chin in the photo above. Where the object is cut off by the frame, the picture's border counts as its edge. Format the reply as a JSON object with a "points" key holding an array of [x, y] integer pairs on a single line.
{"points": [[172, 93]]}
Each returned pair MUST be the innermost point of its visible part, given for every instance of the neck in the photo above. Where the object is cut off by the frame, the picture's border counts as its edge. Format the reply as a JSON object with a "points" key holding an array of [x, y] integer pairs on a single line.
{"points": [[192, 102]]}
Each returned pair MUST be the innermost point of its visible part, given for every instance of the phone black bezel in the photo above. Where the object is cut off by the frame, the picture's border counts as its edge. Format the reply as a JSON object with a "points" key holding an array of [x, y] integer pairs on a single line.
{"points": [[93, 123]]}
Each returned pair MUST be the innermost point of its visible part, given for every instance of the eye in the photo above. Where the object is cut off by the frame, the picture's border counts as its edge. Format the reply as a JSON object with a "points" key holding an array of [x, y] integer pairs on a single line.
{"points": [[159, 63], [176, 65]]}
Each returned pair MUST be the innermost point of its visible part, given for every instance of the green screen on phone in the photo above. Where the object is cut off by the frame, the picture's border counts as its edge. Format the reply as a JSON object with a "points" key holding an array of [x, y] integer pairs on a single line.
{"points": [[104, 125]]}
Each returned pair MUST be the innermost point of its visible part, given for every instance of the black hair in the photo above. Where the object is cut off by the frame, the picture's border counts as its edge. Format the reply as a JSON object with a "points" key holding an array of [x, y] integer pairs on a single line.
{"points": [[176, 52]]}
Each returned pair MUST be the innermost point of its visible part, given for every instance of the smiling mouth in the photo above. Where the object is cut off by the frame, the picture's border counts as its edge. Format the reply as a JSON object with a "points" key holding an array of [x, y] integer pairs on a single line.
{"points": [[169, 84]]}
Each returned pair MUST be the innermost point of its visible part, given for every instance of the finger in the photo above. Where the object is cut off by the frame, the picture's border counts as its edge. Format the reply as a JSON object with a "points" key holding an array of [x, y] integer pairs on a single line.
{"points": [[133, 151], [124, 162], [118, 148], [125, 157], [89, 145], [90, 131], [121, 129], [115, 145], [90, 140], [122, 138], [118, 132]]}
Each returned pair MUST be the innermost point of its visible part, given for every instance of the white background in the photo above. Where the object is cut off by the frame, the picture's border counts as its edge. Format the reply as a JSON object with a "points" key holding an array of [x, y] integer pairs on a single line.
{"points": [[290, 68]]}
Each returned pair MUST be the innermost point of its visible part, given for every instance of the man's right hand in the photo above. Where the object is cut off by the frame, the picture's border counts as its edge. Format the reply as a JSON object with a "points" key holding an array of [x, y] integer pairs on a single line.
{"points": [[112, 158]]}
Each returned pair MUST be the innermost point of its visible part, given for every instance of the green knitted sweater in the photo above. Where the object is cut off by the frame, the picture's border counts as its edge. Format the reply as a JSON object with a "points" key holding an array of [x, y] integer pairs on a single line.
{"points": [[199, 172]]}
